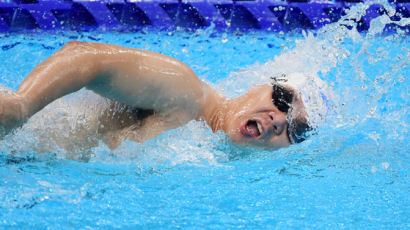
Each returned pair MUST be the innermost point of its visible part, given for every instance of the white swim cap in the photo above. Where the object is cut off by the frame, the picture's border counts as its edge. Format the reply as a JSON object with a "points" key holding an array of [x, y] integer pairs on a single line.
{"points": [[316, 95]]}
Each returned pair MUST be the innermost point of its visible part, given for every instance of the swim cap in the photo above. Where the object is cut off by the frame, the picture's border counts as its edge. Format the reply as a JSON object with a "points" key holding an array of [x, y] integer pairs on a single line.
{"points": [[315, 94]]}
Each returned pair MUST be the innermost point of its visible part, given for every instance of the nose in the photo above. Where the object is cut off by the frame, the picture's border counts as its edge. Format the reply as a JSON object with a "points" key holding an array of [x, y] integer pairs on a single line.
{"points": [[278, 122]]}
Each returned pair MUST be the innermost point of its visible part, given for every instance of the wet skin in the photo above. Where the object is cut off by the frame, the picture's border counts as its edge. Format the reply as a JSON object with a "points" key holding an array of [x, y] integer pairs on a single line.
{"points": [[139, 79], [253, 119], [255, 108]]}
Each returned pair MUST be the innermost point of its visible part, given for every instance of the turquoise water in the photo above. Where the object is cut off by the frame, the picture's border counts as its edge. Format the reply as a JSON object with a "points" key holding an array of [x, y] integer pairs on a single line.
{"points": [[352, 173]]}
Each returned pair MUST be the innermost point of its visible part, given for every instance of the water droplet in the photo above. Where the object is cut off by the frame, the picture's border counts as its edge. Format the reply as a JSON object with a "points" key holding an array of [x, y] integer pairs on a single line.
{"points": [[385, 165]]}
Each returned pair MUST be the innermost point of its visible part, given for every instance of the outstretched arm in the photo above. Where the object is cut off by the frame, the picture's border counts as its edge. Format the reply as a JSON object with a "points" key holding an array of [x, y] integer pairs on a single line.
{"points": [[134, 77]]}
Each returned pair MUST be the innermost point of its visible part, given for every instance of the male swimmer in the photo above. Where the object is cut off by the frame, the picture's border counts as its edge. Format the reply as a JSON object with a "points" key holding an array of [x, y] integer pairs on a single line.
{"points": [[151, 93]]}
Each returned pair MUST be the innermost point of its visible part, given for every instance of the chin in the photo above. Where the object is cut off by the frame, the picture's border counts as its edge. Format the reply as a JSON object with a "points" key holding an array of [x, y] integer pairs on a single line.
{"points": [[240, 139], [237, 137]]}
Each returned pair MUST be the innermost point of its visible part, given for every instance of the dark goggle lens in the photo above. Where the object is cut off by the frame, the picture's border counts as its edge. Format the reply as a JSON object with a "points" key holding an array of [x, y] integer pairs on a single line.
{"points": [[297, 132], [282, 98]]}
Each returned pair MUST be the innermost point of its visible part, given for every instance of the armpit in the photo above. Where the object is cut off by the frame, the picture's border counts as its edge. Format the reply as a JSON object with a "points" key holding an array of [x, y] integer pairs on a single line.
{"points": [[149, 128]]}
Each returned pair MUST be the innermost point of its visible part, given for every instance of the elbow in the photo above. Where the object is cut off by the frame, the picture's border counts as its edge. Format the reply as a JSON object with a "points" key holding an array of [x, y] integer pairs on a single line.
{"points": [[75, 46], [86, 50], [80, 50], [74, 43], [81, 56], [83, 47]]}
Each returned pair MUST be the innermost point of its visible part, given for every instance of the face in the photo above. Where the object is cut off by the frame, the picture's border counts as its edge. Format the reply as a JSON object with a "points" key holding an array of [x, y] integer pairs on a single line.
{"points": [[253, 119]]}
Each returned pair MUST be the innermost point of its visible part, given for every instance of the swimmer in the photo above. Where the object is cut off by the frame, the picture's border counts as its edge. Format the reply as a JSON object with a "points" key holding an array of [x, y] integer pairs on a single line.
{"points": [[151, 93]]}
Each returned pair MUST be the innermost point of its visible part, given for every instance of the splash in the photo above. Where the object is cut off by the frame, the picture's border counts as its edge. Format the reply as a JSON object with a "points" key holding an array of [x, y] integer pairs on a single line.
{"points": [[343, 58], [68, 128], [364, 74]]}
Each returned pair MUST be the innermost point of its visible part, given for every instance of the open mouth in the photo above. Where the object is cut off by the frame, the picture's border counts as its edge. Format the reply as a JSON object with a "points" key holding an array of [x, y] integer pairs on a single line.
{"points": [[252, 128]]}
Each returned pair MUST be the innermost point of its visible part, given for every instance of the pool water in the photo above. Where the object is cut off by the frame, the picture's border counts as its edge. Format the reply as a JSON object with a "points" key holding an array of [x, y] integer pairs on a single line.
{"points": [[353, 172]]}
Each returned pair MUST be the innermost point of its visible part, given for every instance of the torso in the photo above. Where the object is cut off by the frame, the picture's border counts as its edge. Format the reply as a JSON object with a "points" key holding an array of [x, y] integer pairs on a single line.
{"points": [[118, 121], [76, 126], [121, 122]]}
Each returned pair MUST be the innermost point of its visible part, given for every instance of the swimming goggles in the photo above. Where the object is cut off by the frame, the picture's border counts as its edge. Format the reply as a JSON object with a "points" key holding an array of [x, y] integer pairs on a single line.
{"points": [[282, 98]]}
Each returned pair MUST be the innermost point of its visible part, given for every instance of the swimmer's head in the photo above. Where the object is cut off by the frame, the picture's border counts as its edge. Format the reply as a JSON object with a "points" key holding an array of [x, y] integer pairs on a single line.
{"points": [[270, 115]]}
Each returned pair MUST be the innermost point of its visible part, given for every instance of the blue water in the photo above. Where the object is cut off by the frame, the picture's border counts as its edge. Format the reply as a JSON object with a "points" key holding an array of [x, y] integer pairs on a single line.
{"points": [[352, 173]]}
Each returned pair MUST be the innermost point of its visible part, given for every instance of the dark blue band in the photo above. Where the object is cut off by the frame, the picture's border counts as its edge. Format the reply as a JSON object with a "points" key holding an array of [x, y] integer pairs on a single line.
{"points": [[267, 15]]}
